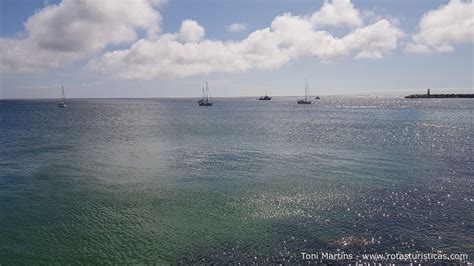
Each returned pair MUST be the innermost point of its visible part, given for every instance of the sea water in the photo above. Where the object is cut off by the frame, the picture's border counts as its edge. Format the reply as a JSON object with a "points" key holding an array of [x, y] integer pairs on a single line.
{"points": [[164, 180]]}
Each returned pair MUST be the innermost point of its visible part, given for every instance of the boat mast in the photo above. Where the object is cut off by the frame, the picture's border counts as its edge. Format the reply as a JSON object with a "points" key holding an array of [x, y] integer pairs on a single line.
{"points": [[306, 90], [207, 93]]}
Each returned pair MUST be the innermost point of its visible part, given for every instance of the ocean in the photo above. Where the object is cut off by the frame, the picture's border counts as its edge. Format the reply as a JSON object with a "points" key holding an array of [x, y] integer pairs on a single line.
{"points": [[167, 181]]}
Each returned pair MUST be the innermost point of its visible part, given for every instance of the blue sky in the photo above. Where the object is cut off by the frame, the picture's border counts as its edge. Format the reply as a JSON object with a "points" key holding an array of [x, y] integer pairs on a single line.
{"points": [[376, 60]]}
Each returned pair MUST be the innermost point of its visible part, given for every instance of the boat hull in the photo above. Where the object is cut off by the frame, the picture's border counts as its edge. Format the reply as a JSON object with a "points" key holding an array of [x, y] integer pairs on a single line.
{"points": [[303, 102], [204, 104]]}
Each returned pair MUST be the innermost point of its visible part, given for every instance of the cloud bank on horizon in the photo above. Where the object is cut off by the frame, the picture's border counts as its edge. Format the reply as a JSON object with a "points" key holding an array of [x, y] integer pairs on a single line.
{"points": [[74, 30]]}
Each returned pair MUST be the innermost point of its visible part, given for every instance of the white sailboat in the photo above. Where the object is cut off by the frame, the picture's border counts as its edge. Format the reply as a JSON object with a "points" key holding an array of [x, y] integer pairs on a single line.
{"points": [[306, 99], [206, 97], [62, 103]]}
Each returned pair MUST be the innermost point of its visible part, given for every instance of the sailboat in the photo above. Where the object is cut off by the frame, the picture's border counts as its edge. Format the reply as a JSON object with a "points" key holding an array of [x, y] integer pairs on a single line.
{"points": [[306, 99], [62, 103], [206, 97]]}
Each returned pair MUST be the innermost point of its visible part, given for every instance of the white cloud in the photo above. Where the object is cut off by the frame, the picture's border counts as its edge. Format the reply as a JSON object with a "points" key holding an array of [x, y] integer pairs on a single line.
{"points": [[191, 31], [337, 13], [374, 41], [236, 27], [441, 29], [60, 34], [78, 29], [289, 37]]}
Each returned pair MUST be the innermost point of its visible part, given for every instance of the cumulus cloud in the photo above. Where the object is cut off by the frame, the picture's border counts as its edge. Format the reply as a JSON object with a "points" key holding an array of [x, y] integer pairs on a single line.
{"points": [[374, 41], [78, 29], [289, 37], [441, 29], [191, 31], [236, 27], [74, 29], [337, 13]]}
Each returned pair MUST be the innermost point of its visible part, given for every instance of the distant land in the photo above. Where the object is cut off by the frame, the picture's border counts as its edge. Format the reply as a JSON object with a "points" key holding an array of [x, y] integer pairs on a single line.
{"points": [[429, 95]]}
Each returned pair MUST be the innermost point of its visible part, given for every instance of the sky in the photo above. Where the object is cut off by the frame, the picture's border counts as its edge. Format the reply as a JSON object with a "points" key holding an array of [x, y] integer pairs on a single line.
{"points": [[170, 48]]}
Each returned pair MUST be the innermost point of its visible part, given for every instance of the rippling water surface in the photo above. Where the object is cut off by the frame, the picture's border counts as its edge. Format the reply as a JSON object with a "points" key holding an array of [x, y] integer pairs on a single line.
{"points": [[164, 180]]}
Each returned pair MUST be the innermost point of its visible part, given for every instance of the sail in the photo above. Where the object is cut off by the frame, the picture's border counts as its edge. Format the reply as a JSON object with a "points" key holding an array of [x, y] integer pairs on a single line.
{"points": [[62, 103], [207, 94], [63, 94]]}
